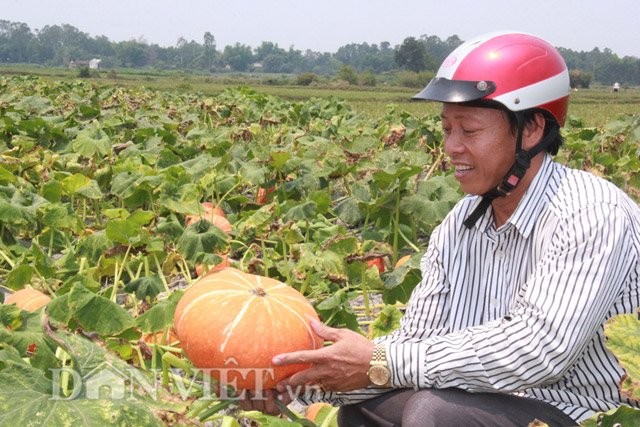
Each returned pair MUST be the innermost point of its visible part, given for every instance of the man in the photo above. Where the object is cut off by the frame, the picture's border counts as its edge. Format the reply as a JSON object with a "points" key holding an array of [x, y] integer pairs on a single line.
{"points": [[518, 280]]}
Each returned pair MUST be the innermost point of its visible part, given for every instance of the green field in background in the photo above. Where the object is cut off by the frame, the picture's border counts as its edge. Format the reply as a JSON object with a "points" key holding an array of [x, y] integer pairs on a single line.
{"points": [[593, 107]]}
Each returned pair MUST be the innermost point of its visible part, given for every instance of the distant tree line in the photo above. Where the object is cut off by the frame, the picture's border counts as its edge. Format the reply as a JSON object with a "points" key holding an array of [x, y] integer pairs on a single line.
{"points": [[61, 45]]}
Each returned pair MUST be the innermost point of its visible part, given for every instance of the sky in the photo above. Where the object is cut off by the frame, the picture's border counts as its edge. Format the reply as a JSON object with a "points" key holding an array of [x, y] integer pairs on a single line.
{"points": [[326, 25]]}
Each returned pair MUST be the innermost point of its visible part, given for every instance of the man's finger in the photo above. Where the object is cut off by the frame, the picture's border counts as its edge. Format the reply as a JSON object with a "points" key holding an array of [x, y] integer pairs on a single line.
{"points": [[302, 356], [326, 332]]}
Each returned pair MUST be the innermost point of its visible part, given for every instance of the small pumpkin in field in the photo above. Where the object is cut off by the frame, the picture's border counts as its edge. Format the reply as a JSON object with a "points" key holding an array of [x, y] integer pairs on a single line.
{"points": [[263, 195], [234, 323], [213, 214], [377, 262], [28, 299], [214, 268], [314, 410], [160, 338], [402, 261]]}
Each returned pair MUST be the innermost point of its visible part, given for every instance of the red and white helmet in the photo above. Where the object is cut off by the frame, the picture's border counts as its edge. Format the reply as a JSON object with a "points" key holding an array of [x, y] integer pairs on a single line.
{"points": [[517, 70]]}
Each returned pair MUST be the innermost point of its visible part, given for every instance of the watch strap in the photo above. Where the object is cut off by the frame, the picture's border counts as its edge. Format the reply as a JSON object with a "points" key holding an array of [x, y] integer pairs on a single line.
{"points": [[379, 354]]}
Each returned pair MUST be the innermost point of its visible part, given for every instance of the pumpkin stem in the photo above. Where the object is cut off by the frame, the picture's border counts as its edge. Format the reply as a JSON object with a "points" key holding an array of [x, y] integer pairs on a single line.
{"points": [[258, 292]]}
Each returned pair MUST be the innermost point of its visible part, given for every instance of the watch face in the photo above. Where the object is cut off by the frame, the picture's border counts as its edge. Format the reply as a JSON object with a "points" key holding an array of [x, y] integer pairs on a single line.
{"points": [[379, 375]]}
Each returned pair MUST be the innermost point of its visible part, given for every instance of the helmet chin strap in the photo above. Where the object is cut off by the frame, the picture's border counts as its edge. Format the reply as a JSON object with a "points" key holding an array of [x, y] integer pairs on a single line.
{"points": [[513, 177]]}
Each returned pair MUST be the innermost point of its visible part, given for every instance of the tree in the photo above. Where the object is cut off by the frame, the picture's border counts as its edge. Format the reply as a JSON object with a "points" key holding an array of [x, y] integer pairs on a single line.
{"points": [[578, 78], [348, 74], [273, 58], [131, 54], [364, 56], [412, 55], [209, 54], [239, 57], [16, 42], [190, 53]]}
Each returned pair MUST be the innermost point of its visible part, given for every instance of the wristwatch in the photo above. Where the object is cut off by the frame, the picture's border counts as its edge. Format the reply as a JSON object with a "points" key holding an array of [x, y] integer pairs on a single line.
{"points": [[379, 373]]}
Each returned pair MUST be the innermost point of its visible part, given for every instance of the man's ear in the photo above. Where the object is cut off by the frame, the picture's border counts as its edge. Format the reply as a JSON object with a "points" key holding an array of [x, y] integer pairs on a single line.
{"points": [[533, 131]]}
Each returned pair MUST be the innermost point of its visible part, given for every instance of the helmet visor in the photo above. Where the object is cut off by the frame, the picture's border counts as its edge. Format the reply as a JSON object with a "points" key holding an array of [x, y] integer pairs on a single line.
{"points": [[445, 90]]}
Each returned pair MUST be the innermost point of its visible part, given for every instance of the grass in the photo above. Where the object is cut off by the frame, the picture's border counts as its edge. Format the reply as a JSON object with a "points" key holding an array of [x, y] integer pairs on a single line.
{"points": [[594, 107]]}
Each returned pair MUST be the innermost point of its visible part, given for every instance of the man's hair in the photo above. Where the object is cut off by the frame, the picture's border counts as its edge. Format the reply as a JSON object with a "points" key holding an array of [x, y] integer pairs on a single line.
{"points": [[550, 127]]}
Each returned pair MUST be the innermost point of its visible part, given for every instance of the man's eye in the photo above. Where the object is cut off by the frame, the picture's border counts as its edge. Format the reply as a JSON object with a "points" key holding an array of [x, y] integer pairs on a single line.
{"points": [[469, 131]]}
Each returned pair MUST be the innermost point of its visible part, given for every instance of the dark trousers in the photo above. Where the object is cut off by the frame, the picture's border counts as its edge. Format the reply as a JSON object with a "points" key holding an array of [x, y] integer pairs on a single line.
{"points": [[450, 407]]}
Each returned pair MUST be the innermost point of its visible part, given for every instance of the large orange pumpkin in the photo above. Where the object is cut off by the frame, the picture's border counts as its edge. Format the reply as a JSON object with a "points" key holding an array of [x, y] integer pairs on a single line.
{"points": [[28, 299], [233, 323]]}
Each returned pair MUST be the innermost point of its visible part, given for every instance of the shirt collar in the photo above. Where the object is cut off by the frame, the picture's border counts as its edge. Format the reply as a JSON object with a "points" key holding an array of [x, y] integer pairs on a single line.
{"points": [[525, 217]]}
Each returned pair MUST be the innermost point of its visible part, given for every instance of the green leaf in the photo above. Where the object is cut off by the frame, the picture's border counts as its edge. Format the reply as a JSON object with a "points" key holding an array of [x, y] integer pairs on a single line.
{"points": [[200, 241], [386, 322], [28, 397], [623, 339], [125, 231], [361, 144], [8, 355], [146, 286], [399, 283], [19, 276], [12, 213], [80, 184], [88, 111], [620, 417], [23, 331], [98, 314], [279, 159], [160, 316], [6, 177], [94, 245], [91, 142], [345, 246], [58, 309], [57, 216], [348, 211], [322, 199], [385, 179], [40, 261], [306, 210], [52, 191], [337, 311], [257, 220]]}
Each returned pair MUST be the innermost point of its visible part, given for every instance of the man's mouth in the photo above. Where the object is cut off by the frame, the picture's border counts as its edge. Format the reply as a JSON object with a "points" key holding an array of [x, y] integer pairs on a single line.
{"points": [[462, 168]]}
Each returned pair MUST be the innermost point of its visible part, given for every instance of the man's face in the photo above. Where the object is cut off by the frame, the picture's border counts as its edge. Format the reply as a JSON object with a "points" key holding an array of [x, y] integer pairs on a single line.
{"points": [[480, 144]]}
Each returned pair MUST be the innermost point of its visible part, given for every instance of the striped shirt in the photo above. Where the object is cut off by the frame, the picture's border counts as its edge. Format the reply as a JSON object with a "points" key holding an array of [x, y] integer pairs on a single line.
{"points": [[522, 308]]}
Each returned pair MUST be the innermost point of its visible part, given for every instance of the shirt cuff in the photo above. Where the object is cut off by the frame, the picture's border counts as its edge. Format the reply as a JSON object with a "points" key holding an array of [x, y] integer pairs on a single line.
{"points": [[407, 363]]}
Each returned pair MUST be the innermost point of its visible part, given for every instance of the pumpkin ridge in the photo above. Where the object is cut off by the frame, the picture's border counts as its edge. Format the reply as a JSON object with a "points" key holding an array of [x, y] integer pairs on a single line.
{"points": [[242, 277], [208, 294], [228, 330], [276, 287], [232, 282]]}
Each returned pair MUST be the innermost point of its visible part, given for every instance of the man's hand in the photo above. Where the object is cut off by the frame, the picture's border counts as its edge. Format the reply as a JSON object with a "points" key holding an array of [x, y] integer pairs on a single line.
{"points": [[341, 366]]}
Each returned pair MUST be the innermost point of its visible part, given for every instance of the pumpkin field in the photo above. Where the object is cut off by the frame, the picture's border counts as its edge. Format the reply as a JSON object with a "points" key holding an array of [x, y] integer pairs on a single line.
{"points": [[115, 201]]}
